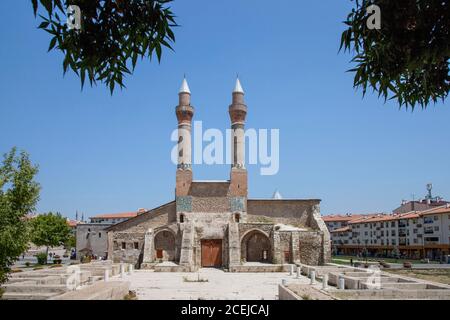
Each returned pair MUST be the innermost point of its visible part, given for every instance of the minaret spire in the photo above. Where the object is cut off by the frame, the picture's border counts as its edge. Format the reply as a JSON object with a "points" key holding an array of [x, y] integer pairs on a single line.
{"points": [[184, 112], [238, 112], [184, 86], [238, 86]]}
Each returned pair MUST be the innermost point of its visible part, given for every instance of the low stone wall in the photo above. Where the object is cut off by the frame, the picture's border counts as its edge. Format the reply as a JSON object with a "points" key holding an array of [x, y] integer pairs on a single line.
{"points": [[286, 294], [392, 294], [112, 290], [265, 268]]}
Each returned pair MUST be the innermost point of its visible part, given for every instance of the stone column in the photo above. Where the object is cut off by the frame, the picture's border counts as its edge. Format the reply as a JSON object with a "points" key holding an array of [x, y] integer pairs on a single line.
{"points": [[234, 245], [148, 248], [276, 247], [295, 247], [110, 248]]}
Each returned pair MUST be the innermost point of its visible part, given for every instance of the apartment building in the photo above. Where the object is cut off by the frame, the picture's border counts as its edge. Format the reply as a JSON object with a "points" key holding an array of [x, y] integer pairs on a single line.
{"points": [[339, 221], [415, 234]]}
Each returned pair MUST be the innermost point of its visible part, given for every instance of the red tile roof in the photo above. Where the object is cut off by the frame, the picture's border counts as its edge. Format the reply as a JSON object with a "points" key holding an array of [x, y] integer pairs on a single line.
{"points": [[72, 223], [440, 210], [116, 215], [341, 217], [344, 229]]}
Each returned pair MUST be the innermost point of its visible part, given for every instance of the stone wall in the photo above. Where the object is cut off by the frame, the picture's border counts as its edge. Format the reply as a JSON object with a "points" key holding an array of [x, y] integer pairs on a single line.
{"points": [[310, 248], [92, 236], [132, 233], [293, 212]]}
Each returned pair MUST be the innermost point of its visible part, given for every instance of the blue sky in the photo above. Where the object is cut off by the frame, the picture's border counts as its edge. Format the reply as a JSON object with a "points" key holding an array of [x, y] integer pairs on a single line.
{"points": [[99, 153]]}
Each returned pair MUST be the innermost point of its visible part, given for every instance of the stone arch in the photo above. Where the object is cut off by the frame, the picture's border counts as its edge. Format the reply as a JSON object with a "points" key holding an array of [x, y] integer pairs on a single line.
{"points": [[165, 243], [256, 246]]}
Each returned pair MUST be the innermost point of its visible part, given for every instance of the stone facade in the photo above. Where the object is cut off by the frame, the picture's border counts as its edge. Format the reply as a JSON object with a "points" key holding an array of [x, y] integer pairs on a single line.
{"points": [[91, 239], [213, 223]]}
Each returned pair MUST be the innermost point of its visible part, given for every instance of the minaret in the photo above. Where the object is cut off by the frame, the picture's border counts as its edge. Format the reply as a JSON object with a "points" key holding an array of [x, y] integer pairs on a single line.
{"points": [[238, 112], [185, 113]]}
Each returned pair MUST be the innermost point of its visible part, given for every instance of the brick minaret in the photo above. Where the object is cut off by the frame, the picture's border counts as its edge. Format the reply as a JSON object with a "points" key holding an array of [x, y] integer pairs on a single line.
{"points": [[238, 112], [184, 112]]}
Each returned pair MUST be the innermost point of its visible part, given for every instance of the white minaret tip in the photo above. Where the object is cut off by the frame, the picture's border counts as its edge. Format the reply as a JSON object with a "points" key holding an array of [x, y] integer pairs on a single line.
{"points": [[184, 87], [238, 87], [277, 195]]}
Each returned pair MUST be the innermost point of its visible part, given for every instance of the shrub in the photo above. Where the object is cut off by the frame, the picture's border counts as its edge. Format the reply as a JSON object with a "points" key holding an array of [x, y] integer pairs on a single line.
{"points": [[16, 270], [27, 264], [41, 258], [86, 259], [130, 296]]}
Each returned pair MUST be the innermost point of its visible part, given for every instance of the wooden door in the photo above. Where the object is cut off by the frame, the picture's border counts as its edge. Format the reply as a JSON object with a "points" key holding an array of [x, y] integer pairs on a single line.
{"points": [[211, 253]]}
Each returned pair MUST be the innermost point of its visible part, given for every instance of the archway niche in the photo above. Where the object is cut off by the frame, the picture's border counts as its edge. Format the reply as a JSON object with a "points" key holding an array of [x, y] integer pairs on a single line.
{"points": [[256, 247], [165, 246]]}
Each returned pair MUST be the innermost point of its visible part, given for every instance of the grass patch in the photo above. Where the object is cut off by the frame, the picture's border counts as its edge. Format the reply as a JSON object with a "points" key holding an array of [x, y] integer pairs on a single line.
{"points": [[16, 270], [186, 279], [130, 296], [345, 260], [434, 275]]}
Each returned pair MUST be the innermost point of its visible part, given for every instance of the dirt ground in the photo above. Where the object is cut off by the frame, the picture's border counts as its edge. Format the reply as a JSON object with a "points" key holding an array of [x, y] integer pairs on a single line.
{"points": [[306, 292], [436, 275]]}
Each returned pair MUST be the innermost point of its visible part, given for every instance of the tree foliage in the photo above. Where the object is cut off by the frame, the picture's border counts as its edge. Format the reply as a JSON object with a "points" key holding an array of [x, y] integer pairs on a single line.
{"points": [[49, 230], [19, 194], [113, 35], [408, 58]]}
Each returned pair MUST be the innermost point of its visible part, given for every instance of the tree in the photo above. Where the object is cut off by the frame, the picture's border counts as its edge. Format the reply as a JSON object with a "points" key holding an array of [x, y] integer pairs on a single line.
{"points": [[71, 242], [407, 59], [50, 230], [19, 194], [113, 35]]}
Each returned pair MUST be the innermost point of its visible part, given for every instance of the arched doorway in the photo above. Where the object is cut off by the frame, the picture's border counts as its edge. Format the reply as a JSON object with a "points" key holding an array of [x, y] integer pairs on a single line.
{"points": [[165, 246], [256, 247]]}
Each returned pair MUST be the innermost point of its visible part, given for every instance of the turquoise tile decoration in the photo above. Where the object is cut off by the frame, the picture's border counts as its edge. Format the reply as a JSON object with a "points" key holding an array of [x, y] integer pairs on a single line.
{"points": [[184, 204], [237, 204]]}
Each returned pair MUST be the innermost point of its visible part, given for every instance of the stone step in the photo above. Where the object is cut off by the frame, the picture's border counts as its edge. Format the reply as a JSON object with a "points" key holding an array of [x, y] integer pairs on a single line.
{"points": [[28, 295], [37, 281], [31, 288]]}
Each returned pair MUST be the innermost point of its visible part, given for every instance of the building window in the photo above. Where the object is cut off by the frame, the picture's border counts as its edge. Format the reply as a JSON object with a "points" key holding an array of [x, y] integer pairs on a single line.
{"points": [[136, 245], [237, 217], [436, 228], [435, 218], [181, 218], [99, 234], [393, 224], [124, 245], [427, 220], [428, 230]]}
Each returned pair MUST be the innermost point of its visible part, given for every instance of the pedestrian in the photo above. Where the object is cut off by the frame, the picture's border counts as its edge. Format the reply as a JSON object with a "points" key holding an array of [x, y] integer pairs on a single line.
{"points": [[351, 262]]}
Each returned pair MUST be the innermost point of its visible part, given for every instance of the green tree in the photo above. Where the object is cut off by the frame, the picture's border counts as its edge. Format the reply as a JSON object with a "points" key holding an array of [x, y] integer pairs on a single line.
{"points": [[113, 35], [50, 230], [407, 59], [71, 242], [19, 194]]}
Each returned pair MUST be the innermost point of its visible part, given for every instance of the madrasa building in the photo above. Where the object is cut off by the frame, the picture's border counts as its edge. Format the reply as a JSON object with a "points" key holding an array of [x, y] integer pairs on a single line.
{"points": [[214, 223]]}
